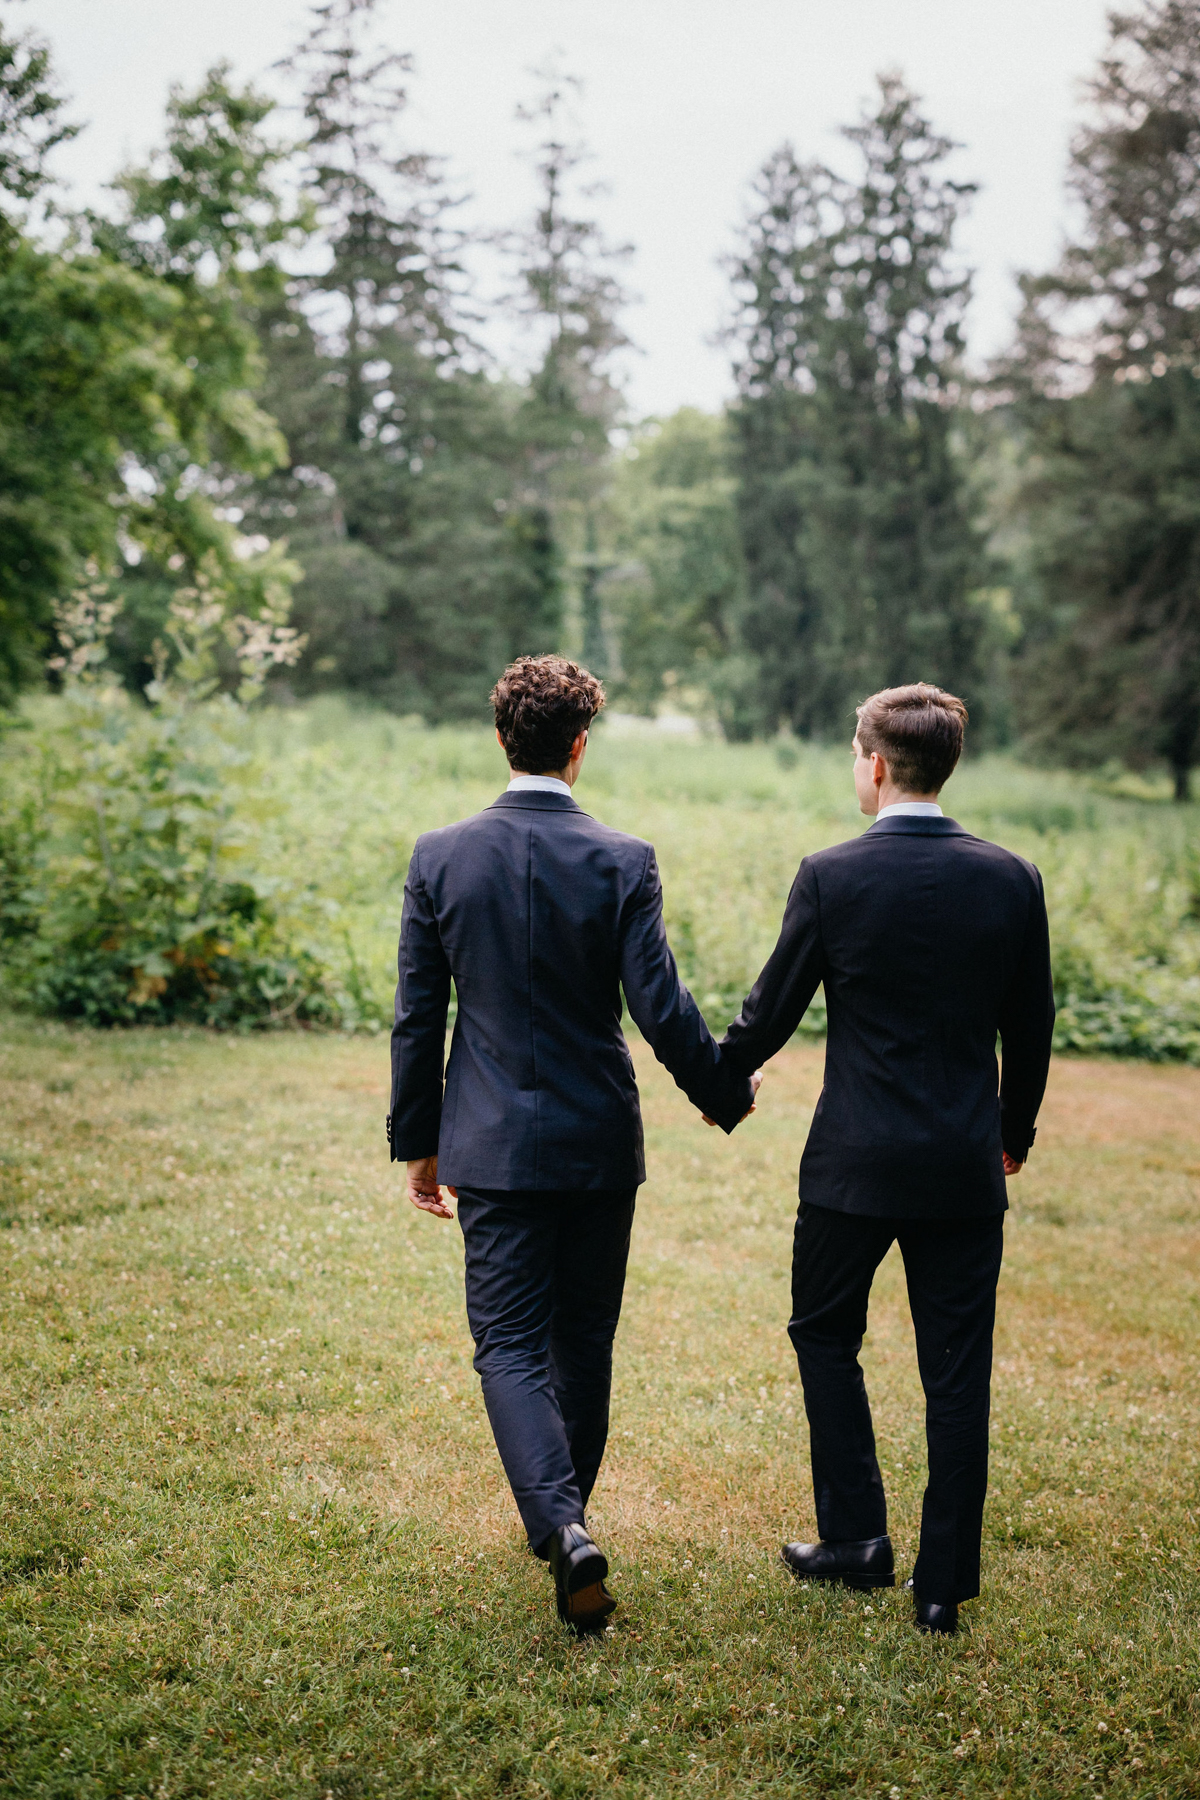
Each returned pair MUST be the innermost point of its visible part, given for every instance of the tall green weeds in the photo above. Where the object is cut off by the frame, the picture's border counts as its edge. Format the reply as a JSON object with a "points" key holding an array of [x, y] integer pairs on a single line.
{"points": [[139, 879], [197, 859], [730, 824]]}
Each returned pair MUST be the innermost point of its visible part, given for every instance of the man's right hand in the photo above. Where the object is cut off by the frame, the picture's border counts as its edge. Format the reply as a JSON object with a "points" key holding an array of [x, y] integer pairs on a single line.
{"points": [[756, 1081], [423, 1189], [1011, 1165]]}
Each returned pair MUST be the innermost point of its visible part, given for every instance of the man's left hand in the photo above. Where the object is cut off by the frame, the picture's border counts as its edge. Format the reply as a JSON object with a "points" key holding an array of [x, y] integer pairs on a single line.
{"points": [[423, 1189], [1011, 1165]]}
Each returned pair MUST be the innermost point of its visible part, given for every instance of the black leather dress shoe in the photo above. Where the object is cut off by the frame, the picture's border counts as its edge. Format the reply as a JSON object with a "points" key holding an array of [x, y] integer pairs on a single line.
{"points": [[938, 1618], [856, 1563], [579, 1570]]}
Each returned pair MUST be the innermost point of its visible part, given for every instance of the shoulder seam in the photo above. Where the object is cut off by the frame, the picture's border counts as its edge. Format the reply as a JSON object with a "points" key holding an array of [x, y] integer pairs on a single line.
{"points": [[649, 857]]}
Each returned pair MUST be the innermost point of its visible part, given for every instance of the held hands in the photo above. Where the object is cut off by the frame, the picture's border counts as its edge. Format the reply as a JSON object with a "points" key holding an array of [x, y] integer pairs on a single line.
{"points": [[426, 1195], [423, 1189], [755, 1083]]}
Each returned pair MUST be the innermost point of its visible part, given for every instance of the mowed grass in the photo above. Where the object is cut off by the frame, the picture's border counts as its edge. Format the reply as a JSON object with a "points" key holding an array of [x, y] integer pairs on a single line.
{"points": [[254, 1538]]}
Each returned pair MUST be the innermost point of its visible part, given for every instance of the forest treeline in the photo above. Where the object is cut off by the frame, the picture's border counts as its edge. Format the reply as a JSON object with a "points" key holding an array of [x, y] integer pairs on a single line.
{"points": [[259, 375]]}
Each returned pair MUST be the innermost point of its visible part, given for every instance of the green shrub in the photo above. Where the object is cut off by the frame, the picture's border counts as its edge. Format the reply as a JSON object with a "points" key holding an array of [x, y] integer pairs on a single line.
{"points": [[1124, 937], [137, 858]]}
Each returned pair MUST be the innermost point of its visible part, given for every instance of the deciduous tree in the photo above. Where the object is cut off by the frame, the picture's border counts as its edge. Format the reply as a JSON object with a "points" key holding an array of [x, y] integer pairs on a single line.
{"points": [[117, 392], [678, 578]]}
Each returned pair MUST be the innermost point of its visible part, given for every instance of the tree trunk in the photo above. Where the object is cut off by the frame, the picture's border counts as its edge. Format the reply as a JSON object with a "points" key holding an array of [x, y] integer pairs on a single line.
{"points": [[1182, 775]]}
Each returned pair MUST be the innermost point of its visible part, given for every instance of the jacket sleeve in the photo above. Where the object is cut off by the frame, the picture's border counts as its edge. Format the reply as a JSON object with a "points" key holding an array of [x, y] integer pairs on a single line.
{"points": [[791, 976], [419, 1034], [666, 1014], [1026, 1030]]}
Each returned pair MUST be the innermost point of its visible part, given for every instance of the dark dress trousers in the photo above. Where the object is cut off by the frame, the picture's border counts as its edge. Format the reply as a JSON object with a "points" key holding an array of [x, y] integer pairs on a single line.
{"points": [[545, 1273], [541, 917], [930, 944]]}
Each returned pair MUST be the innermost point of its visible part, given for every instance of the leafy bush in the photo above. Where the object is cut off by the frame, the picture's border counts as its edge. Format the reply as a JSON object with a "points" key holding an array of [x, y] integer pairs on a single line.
{"points": [[135, 840], [1121, 1023]]}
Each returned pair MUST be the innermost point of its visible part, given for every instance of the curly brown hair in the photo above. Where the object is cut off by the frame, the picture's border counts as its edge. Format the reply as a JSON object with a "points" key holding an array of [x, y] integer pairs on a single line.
{"points": [[918, 730], [541, 704]]}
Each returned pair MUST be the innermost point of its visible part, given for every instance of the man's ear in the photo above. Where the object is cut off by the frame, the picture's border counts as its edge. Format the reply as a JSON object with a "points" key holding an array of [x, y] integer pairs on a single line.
{"points": [[879, 769]]}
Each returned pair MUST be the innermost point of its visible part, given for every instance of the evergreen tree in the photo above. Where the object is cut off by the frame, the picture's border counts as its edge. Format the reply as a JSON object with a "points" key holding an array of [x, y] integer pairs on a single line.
{"points": [[423, 576], [384, 216], [571, 296], [1106, 384], [865, 566]]}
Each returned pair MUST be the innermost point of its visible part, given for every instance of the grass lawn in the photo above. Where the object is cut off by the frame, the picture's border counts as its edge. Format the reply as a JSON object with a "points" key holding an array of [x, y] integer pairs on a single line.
{"points": [[255, 1539]]}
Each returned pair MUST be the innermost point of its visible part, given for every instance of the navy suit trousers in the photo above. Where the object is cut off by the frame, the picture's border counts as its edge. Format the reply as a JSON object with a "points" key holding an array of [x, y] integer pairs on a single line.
{"points": [[951, 1267], [545, 1274]]}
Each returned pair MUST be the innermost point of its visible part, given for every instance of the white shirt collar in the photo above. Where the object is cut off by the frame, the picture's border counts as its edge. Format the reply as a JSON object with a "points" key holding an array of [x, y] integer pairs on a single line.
{"points": [[538, 784], [911, 809]]}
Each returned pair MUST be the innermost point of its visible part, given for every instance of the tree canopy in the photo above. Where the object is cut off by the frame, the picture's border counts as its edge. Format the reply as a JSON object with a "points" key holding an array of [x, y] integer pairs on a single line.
{"points": [[862, 554], [268, 364], [1106, 384]]}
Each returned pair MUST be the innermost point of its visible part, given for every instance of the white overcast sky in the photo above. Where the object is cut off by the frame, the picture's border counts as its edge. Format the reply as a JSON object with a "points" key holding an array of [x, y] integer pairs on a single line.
{"points": [[683, 100]]}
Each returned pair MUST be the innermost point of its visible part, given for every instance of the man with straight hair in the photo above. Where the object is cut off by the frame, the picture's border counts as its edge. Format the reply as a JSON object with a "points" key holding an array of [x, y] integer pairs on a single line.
{"points": [[930, 943], [541, 916]]}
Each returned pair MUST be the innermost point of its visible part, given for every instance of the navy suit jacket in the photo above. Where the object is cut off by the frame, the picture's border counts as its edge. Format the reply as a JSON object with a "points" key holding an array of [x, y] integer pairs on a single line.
{"points": [[540, 916], [930, 944]]}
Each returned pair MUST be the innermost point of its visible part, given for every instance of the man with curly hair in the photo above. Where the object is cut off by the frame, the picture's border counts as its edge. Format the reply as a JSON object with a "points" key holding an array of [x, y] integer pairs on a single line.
{"points": [[542, 917]]}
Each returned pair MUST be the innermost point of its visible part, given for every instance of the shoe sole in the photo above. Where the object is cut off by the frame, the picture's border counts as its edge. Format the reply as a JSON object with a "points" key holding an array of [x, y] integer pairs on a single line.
{"points": [[589, 1607], [585, 1604], [861, 1582]]}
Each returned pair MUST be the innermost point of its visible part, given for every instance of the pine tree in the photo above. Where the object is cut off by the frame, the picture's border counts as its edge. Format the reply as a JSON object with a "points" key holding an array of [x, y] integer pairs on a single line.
{"points": [[569, 292], [1106, 384], [864, 564], [780, 277], [423, 576], [384, 216]]}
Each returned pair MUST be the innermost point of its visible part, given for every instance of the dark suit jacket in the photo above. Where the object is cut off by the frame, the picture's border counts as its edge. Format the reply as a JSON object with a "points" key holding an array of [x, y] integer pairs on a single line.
{"points": [[540, 916], [930, 943]]}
